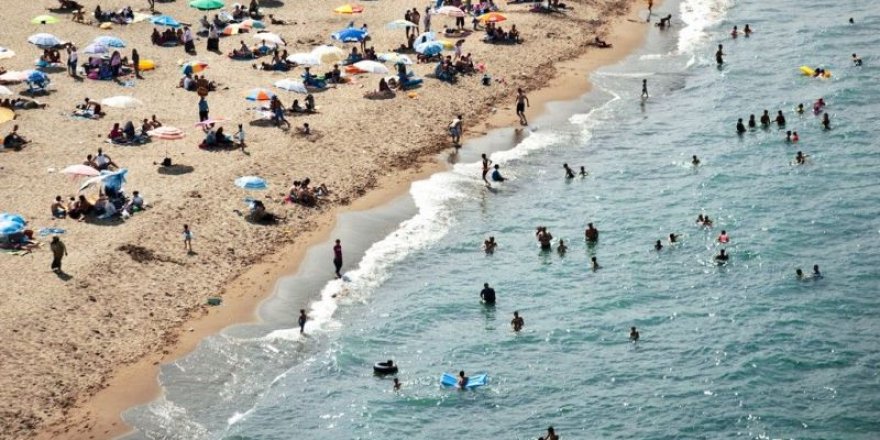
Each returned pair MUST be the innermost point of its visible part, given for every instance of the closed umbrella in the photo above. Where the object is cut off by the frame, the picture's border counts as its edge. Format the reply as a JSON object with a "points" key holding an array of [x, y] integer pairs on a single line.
{"points": [[109, 41], [430, 48], [400, 24], [167, 133], [268, 37], [251, 182], [394, 57], [304, 59], [371, 67], [165, 20], [6, 53], [349, 9], [350, 35], [44, 40], [96, 49], [80, 171], [450, 11], [44, 19], [122, 102], [328, 53], [292, 85], [206, 5], [259, 94]]}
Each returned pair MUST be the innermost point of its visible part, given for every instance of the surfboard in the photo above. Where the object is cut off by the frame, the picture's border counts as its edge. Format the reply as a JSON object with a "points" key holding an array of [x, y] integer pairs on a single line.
{"points": [[451, 381]]}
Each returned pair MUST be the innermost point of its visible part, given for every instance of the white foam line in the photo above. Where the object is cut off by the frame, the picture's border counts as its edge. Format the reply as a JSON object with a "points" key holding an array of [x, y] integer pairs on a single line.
{"points": [[699, 15]]}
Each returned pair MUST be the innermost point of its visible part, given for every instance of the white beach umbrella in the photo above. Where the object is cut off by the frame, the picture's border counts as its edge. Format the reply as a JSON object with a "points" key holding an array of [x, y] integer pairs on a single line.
{"points": [[328, 53], [400, 24], [15, 76], [96, 49], [268, 37], [371, 67], [450, 11], [44, 40], [394, 57], [122, 102], [304, 59], [292, 85]]}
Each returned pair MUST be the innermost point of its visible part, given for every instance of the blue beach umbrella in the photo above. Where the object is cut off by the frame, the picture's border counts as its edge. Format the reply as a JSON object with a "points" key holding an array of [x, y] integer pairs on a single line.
{"points": [[115, 179], [37, 76], [44, 41], [350, 35], [165, 20], [251, 182], [107, 40], [430, 48], [96, 49], [8, 228]]}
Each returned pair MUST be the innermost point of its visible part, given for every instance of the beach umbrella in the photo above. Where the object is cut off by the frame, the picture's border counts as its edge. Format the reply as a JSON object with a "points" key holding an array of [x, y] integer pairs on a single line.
{"points": [[328, 53], [259, 94], [251, 182], [212, 121], [96, 49], [492, 17], [396, 58], [194, 67], [425, 37], [450, 11], [232, 29], [430, 48], [44, 19], [10, 227], [304, 59], [6, 115], [349, 9], [167, 133], [36, 76], [109, 41], [350, 35], [206, 5], [250, 23], [122, 102], [291, 85], [400, 24], [6, 53], [44, 40], [5, 91], [268, 37], [165, 20], [110, 179], [80, 170], [371, 67], [15, 76]]}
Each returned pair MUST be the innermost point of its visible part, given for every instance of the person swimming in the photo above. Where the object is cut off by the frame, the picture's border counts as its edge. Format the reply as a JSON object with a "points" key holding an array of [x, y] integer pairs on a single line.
{"points": [[561, 247], [591, 233], [800, 108], [695, 161], [816, 273], [723, 238], [856, 61], [722, 257], [633, 334], [517, 322], [569, 174], [799, 273], [818, 106], [594, 264], [740, 128], [747, 30], [800, 158], [673, 238], [396, 384], [487, 295], [583, 172], [658, 246], [752, 122], [489, 245], [462, 380]]}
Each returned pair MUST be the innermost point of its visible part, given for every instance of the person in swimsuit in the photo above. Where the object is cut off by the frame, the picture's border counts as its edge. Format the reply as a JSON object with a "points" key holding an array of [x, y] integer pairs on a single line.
{"points": [[794, 137], [302, 321], [544, 238], [561, 247], [752, 123], [816, 273], [569, 174], [594, 264], [856, 60], [673, 238], [490, 245], [734, 33], [740, 127], [800, 158], [517, 322], [723, 238], [799, 273], [722, 257], [658, 246], [633, 334], [337, 257], [486, 163], [591, 233], [583, 172], [487, 295], [765, 119], [462, 380], [522, 101], [551, 434], [780, 120], [826, 122], [396, 384], [719, 55], [695, 161]]}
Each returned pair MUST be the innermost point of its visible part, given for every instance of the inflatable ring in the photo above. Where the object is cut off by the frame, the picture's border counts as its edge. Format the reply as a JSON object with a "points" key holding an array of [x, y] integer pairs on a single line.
{"points": [[386, 367]]}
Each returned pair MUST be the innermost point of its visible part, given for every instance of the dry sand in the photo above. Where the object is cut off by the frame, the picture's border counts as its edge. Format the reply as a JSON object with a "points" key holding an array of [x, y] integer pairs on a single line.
{"points": [[123, 312]]}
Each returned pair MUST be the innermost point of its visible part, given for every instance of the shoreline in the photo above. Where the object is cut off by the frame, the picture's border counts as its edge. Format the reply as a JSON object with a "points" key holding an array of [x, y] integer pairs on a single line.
{"points": [[137, 383]]}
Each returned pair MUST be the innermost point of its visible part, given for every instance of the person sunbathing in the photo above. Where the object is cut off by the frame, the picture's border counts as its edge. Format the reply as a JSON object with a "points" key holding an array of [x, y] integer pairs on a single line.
{"points": [[276, 21], [155, 122], [26, 104], [296, 108], [58, 209], [14, 140], [116, 134], [242, 52]]}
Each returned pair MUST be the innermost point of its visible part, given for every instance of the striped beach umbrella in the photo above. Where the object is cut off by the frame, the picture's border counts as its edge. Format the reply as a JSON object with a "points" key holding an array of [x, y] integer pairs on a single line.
{"points": [[259, 94], [194, 67], [492, 17]]}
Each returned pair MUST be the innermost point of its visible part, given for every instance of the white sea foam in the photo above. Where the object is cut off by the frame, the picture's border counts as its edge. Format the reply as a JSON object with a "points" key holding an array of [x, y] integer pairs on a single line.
{"points": [[173, 419], [697, 16]]}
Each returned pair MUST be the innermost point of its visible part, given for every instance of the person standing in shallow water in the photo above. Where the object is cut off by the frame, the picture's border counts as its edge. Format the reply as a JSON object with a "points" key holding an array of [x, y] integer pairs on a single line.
{"points": [[645, 89], [633, 334], [337, 257], [517, 322], [302, 321]]}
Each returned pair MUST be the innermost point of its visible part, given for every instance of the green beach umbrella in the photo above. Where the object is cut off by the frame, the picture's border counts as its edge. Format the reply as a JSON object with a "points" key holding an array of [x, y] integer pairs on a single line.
{"points": [[206, 5], [44, 19]]}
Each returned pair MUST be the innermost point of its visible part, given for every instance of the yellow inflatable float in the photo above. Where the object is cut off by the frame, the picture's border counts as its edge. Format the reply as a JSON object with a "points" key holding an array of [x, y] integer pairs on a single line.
{"points": [[809, 71], [146, 65]]}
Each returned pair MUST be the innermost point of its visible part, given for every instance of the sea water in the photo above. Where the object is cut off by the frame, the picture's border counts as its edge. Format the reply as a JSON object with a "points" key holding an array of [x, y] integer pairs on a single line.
{"points": [[741, 350]]}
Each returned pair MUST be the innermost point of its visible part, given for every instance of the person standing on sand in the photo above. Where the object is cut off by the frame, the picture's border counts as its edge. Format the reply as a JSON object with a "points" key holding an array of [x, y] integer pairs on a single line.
{"points": [[337, 257], [203, 109], [455, 131], [187, 239], [644, 89], [302, 321], [59, 251], [522, 101], [72, 60], [152, 5], [136, 63], [486, 163]]}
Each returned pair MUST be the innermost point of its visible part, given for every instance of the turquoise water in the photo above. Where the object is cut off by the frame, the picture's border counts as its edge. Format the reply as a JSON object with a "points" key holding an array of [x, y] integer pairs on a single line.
{"points": [[743, 350]]}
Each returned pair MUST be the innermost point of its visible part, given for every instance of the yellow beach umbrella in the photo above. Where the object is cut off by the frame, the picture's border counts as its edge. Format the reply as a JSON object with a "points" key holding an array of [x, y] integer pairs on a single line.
{"points": [[492, 17], [6, 115], [349, 9], [44, 19]]}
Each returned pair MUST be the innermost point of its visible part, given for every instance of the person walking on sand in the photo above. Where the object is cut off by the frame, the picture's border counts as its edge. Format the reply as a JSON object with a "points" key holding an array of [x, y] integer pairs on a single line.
{"points": [[455, 131], [152, 4], [522, 101], [302, 321], [337, 257], [645, 89], [486, 164], [650, 10], [203, 109], [187, 239], [59, 251], [136, 63]]}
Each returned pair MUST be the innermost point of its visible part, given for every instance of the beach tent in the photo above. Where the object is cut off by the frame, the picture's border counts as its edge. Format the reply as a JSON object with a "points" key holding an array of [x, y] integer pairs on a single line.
{"points": [[251, 182], [350, 35], [400, 24], [371, 67], [165, 20], [44, 19], [44, 41], [206, 5], [122, 102]]}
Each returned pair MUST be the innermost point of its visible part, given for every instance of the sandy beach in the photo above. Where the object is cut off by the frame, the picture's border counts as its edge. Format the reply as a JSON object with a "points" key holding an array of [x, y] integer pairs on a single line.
{"points": [[83, 347]]}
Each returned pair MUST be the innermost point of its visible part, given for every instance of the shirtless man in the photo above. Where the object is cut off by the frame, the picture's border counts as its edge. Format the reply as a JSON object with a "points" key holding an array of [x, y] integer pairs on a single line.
{"points": [[591, 233], [486, 163], [490, 245], [517, 322], [522, 101]]}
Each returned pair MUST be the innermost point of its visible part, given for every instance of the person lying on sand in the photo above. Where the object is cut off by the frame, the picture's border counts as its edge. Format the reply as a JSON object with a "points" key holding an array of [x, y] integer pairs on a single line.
{"points": [[277, 21], [14, 140]]}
